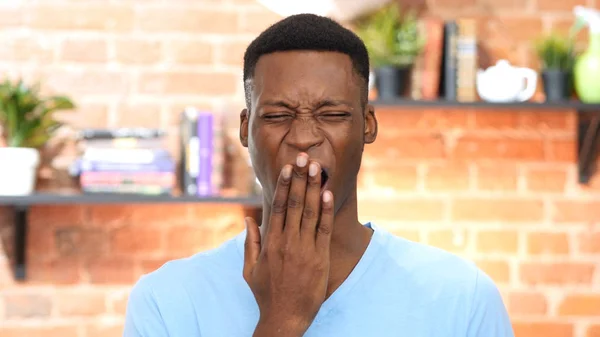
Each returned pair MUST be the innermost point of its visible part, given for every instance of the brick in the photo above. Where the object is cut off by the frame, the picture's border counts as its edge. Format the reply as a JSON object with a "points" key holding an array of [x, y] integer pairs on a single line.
{"points": [[396, 177], [11, 16], [540, 121], [546, 329], [447, 177], [498, 270], [89, 16], [117, 302], [165, 214], [496, 120], [81, 242], [562, 151], [86, 81], [510, 28], [450, 4], [562, 25], [580, 305], [394, 119], [138, 51], [497, 242], [190, 52], [56, 216], [572, 273], [255, 22], [231, 52], [188, 240], [421, 146], [497, 209], [111, 271], [132, 240], [187, 20], [148, 265], [87, 114], [203, 83], [30, 48], [46, 330], [142, 115], [80, 303], [104, 329], [575, 211], [527, 303], [66, 270], [546, 179], [497, 177], [589, 242], [84, 50], [548, 243], [558, 5], [175, 109], [28, 305], [450, 240], [593, 331], [472, 147], [401, 210]]}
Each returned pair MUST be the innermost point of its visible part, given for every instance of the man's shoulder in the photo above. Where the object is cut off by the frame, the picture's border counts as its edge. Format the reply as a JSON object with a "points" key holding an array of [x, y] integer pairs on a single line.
{"points": [[215, 262], [426, 266]]}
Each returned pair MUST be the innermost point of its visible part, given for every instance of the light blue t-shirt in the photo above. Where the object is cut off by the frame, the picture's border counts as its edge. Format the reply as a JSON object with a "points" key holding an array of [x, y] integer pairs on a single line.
{"points": [[398, 288]]}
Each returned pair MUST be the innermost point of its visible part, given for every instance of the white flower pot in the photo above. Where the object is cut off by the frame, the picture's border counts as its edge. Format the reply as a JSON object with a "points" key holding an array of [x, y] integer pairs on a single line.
{"points": [[18, 170]]}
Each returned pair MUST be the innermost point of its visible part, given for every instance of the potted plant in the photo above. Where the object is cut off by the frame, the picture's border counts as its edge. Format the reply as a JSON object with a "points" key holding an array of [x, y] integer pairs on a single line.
{"points": [[27, 123], [393, 42], [557, 57]]}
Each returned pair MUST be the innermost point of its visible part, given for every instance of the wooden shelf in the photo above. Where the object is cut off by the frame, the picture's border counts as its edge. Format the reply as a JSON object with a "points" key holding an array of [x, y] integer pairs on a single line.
{"points": [[568, 105], [21, 204]]}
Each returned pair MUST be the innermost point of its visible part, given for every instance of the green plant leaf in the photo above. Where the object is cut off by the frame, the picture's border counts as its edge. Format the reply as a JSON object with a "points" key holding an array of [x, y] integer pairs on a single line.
{"points": [[26, 116]]}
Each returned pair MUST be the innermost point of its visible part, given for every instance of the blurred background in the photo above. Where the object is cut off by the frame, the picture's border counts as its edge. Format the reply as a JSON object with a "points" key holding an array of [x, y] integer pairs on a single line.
{"points": [[126, 154]]}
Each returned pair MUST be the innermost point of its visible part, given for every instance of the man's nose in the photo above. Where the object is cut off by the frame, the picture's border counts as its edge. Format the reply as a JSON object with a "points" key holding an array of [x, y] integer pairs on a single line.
{"points": [[304, 134]]}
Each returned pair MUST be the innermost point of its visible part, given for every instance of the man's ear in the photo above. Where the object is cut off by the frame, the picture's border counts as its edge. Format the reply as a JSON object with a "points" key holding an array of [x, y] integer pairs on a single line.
{"points": [[244, 122], [371, 125]]}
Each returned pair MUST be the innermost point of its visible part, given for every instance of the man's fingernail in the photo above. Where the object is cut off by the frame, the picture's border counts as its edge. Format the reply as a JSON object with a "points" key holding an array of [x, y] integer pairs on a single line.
{"points": [[326, 196], [313, 169], [287, 172], [301, 161]]}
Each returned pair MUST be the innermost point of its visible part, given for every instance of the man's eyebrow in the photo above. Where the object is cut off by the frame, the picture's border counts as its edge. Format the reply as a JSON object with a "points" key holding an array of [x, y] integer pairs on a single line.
{"points": [[321, 104]]}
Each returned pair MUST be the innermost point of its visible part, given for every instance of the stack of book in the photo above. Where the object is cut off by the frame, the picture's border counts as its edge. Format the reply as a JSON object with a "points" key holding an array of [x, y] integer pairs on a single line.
{"points": [[125, 161]]}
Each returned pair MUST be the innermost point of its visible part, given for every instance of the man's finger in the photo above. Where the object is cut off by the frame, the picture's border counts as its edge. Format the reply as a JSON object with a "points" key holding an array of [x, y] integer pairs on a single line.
{"points": [[312, 203], [251, 246], [279, 204], [295, 202], [325, 226]]}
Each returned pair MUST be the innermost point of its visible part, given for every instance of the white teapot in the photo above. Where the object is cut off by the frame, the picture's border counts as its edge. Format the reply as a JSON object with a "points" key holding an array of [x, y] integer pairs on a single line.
{"points": [[504, 83]]}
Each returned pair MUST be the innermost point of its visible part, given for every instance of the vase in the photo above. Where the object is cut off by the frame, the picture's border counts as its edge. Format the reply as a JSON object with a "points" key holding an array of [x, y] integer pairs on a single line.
{"points": [[557, 85], [587, 72], [18, 170], [391, 82]]}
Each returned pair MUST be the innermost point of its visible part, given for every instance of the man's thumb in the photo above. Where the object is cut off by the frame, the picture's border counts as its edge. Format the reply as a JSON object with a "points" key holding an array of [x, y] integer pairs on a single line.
{"points": [[252, 245]]}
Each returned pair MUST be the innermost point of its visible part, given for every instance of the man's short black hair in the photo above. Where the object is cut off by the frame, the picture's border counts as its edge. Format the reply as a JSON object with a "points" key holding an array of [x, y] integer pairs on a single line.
{"points": [[307, 32]]}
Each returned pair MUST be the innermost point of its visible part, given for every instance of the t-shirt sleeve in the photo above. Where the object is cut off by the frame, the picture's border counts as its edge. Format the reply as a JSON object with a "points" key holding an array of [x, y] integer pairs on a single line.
{"points": [[143, 318], [489, 317]]}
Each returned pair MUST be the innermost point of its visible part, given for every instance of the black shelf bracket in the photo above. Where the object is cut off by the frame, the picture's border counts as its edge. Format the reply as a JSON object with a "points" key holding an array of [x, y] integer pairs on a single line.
{"points": [[588, 137], [20, 241]]}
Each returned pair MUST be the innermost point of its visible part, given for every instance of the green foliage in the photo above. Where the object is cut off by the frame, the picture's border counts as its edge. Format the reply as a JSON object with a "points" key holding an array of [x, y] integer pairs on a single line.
{"points": [[26, 117], [556, 52], [392, 39]]}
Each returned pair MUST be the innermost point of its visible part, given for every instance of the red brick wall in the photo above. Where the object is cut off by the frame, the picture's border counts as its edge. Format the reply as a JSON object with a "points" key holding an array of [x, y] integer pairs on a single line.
{"points": [[498, 187]]}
